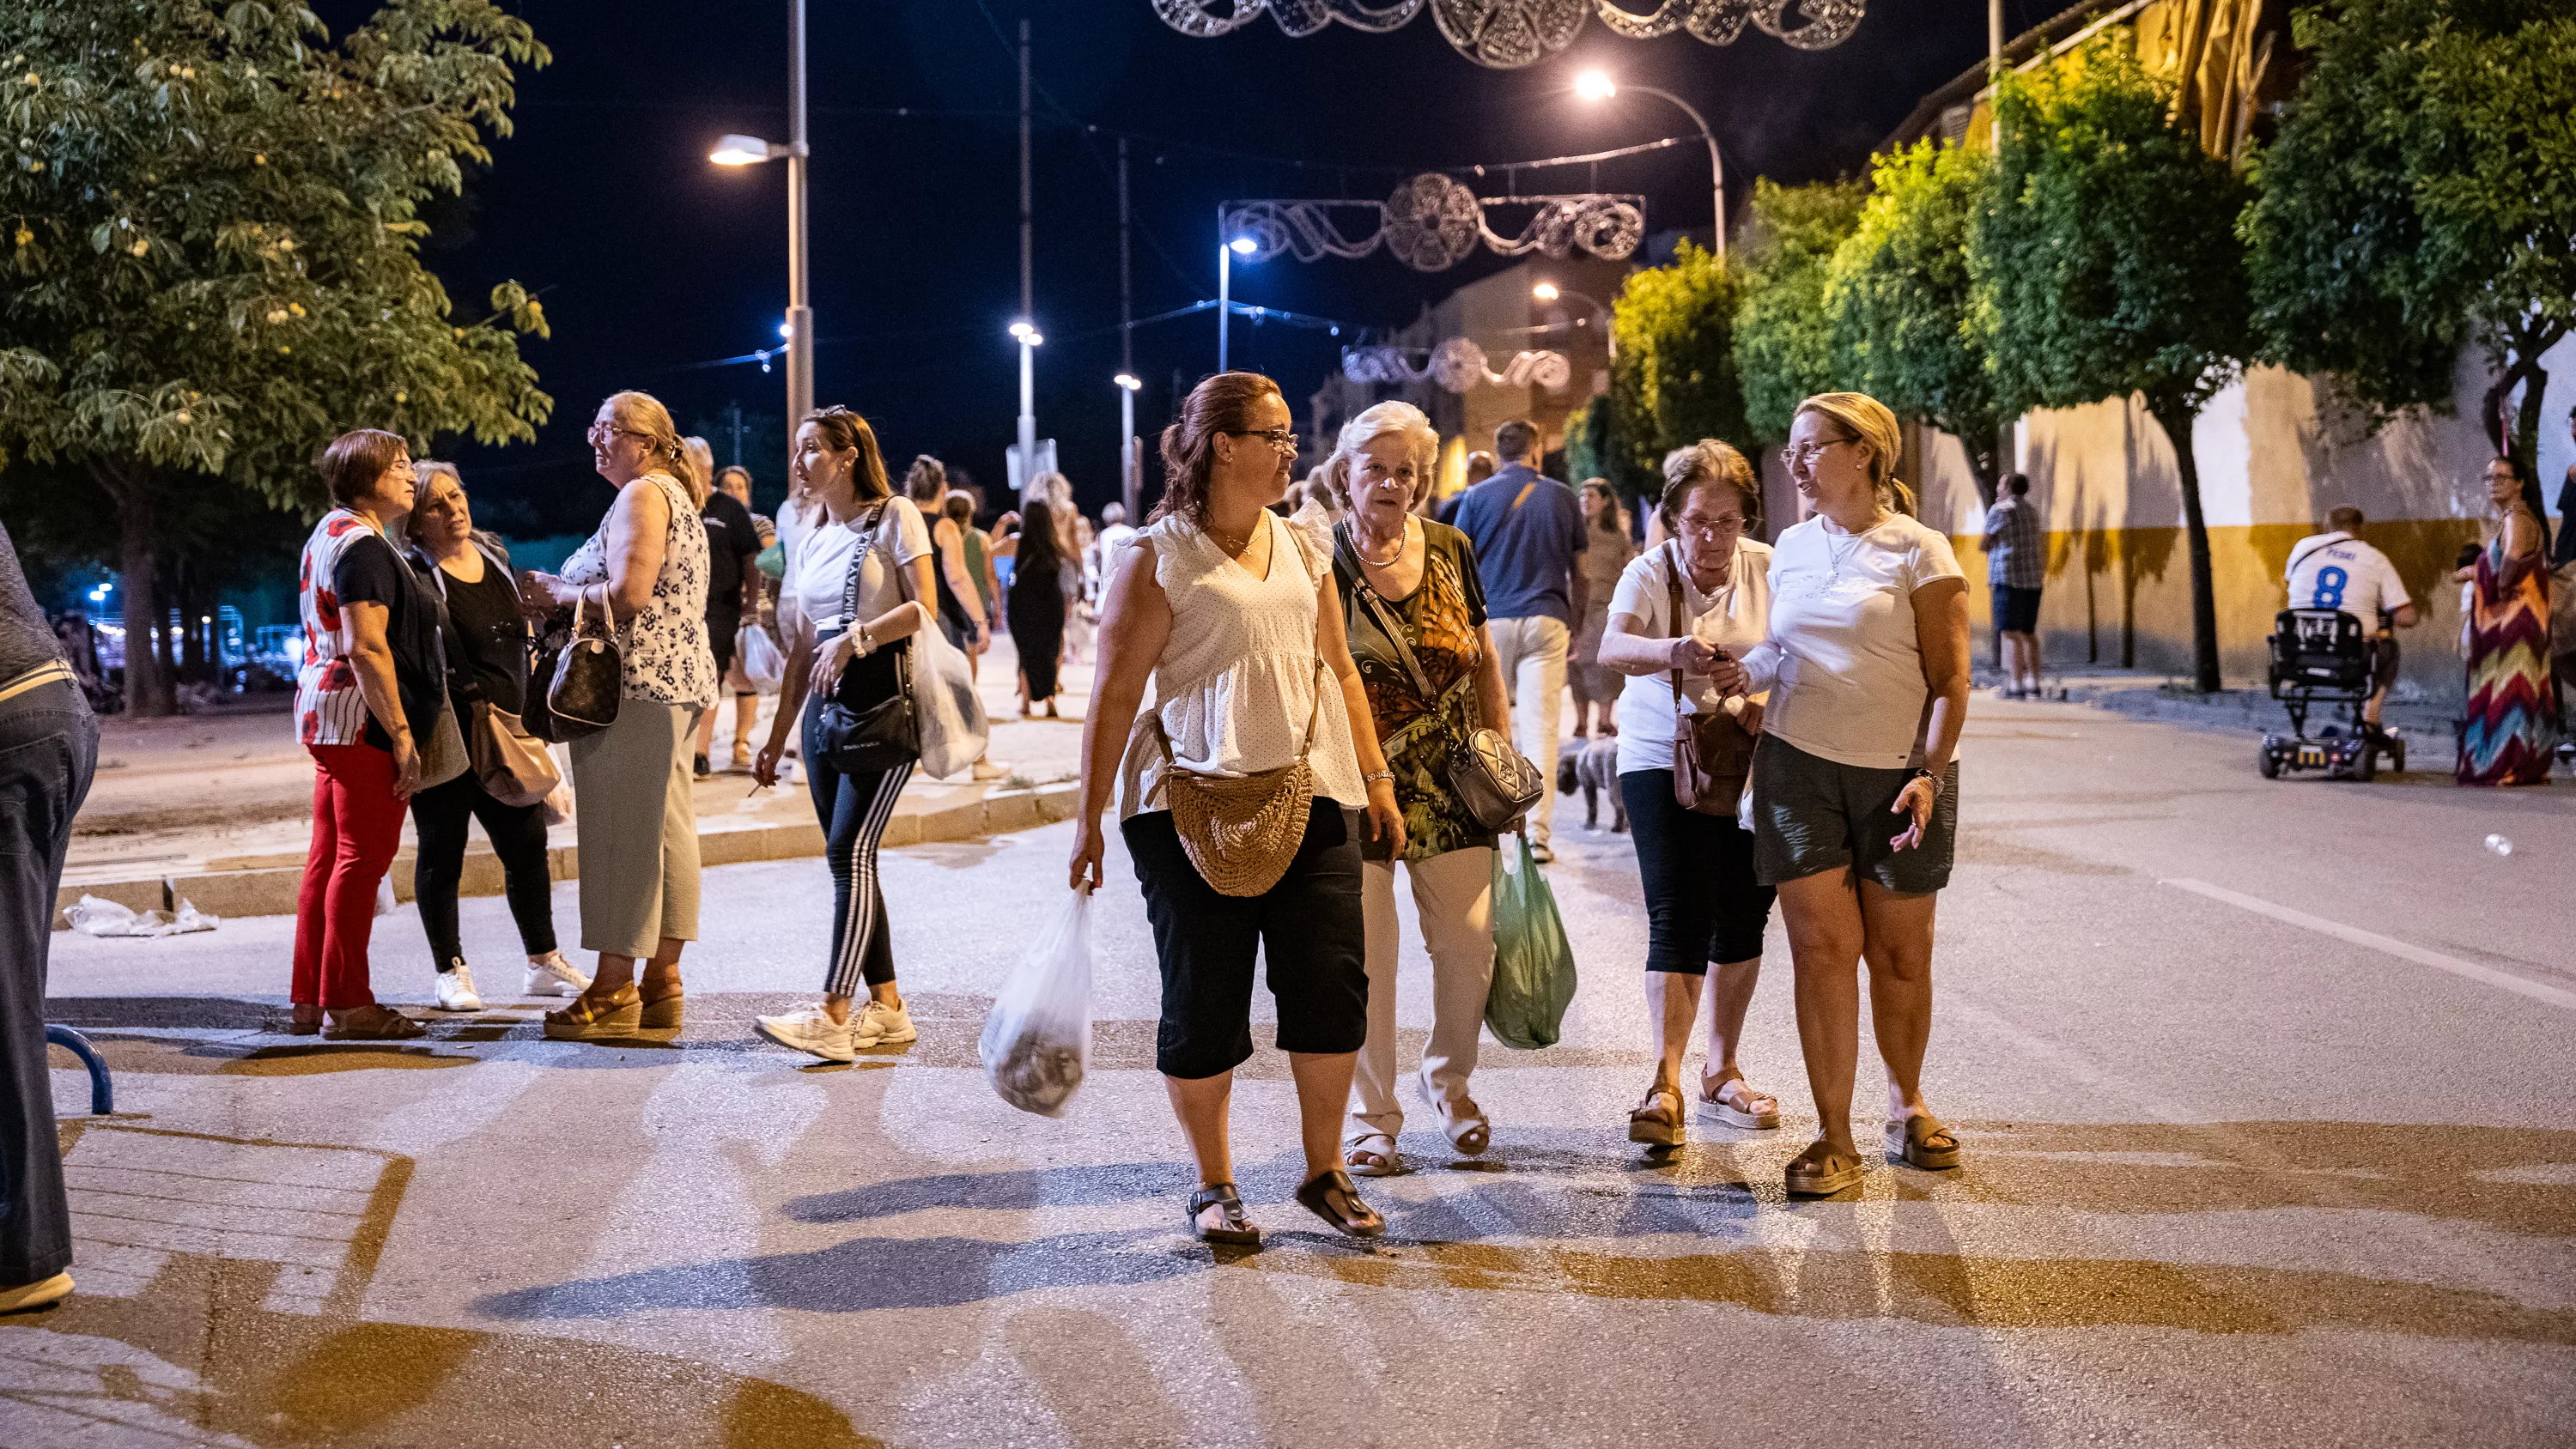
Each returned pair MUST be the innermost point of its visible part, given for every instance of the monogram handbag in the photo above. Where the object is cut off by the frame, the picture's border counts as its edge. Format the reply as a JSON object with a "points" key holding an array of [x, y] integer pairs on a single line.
{"points": [[1242, 832], [589, 675], [870, 722], [1712, 754], [1496, 782]]}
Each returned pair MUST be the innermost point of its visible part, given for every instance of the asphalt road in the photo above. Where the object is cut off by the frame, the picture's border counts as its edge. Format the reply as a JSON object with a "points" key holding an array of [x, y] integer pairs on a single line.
{"points": [[2264, 1089]]}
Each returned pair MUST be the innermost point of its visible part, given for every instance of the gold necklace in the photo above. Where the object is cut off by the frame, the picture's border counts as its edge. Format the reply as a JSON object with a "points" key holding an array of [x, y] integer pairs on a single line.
{"points": [[1225, 540], [1403, 537]]}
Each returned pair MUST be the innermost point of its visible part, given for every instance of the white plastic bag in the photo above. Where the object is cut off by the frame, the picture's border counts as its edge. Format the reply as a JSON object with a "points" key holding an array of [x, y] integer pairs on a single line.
{"points": [[950, 713], [757, 656], [92, 916], [1037, 1038]]}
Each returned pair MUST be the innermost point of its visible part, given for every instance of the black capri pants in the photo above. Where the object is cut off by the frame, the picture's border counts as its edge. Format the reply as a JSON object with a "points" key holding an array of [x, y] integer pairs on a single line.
{"points": [[1703, 903], [1308, 927], [518, 835]]}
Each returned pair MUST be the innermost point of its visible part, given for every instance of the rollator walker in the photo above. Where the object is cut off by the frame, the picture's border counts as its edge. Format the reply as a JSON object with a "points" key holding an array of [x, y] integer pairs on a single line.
{"points": [[2321, 657]]}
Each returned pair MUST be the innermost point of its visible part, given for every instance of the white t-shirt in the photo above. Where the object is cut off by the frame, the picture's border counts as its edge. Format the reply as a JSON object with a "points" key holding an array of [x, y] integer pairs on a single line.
{"points": [[818, 565], [2339, 571], [1737, 618], [1843, 663]]}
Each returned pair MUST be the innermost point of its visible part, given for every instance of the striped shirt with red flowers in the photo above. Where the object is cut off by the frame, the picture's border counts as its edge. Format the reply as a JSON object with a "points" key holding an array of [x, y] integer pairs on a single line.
{"points": [[348, 561]]}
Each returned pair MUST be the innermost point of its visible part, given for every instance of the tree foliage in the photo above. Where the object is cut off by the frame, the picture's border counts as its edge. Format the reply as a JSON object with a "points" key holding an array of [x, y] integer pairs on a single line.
{"points": [[209, 240], [2422, 194], [2105, 267], [1783, 343], [1675, 380], [1900, 306]]}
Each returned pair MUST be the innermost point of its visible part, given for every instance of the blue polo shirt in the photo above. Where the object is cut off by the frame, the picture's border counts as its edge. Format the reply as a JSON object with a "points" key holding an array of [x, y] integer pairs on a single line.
{"points": [[1527, 528]]}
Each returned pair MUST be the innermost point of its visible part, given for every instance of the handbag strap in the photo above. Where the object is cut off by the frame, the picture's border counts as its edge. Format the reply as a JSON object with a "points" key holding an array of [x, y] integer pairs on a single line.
{"points": [[1384, 613], [858, 561], [1673, 591]]}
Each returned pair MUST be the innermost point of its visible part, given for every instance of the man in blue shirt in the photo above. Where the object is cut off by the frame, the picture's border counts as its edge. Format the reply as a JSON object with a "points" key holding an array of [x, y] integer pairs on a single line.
{"points": [[1527, 528]]}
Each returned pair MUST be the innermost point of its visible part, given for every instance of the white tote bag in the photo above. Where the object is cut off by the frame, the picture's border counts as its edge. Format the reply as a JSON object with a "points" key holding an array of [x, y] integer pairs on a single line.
{"points": [[954, 729]]}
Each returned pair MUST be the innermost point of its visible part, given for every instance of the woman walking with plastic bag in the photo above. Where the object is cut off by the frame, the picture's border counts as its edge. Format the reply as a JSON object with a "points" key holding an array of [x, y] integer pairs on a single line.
{"points": [[1703, 595], [856, 597], [1414, 613], [1855, 788], [1233, 791]]}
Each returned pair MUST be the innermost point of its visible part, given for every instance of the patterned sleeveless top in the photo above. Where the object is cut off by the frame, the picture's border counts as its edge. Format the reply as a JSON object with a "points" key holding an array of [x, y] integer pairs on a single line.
{"points": [[668, 659]]}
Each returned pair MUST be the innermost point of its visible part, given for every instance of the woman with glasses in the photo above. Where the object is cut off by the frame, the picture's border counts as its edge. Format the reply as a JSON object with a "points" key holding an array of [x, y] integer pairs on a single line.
{"points": [[1595, 684], [643, 574], [486, 640], [1702, 596], [1414, 612], [1233, 616], [1855, 786]]}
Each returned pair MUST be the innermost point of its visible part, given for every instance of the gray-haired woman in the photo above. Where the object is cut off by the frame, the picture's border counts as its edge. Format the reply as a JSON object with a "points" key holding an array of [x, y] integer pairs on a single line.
{"points": [[1415, 617], [645, 573]]}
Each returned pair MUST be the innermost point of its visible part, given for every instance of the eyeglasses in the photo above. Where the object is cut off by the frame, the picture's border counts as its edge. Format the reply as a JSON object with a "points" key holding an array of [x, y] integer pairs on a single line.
{"points": [[1712, 527], [1799, 455], [1280, 438], [602, 432]]}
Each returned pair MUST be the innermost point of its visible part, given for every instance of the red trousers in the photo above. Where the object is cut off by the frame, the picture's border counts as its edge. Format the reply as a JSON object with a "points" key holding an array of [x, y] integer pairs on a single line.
{"points": [[357, 825]]}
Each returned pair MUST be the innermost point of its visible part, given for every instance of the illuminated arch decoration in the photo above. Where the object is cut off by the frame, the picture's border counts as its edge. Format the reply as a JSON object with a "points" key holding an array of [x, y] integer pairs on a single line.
{"points": [[1433, 222], [1510, 34], [1457, 365]]}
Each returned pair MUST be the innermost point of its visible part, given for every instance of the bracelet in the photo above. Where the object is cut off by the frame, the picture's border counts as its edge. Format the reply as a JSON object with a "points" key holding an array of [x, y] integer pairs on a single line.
{"points": [[1920, 773], [867, 642], [1371, 777]]}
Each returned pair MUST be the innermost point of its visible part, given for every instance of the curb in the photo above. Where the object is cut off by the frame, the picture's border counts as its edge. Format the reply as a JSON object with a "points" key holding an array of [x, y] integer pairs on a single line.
{"points": [[268, 885]]}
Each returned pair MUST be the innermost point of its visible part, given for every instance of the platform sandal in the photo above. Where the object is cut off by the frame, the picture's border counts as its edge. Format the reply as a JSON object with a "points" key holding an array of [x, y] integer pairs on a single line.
{"points": [[1821, 1171], [592, 1016], [1921, 1141]]}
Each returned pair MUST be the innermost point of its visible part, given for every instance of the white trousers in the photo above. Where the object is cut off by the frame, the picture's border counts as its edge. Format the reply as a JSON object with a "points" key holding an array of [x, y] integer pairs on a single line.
{"points": [[1532, 652], [1454, 895]]}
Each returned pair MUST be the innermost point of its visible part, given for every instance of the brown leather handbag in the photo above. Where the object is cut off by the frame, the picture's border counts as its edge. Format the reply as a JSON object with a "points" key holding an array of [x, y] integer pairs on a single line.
{"points": [[1712, 754]]}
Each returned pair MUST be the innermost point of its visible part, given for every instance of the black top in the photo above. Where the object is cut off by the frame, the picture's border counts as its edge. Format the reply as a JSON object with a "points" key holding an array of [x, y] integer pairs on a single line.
{"points": [[486, 638], [26, 640], [732, 542], [371, 573]]}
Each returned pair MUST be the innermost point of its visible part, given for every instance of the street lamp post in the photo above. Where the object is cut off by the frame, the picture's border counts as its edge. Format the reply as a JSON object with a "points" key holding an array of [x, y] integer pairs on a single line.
{"points": [[1550, 291], [739, 150], [1235, 246], [1029, 339], [1129, 471], [1595, 85]]}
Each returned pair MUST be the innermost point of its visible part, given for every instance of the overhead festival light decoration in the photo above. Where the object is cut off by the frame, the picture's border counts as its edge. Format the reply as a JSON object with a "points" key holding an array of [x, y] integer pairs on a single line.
{"points": [[1510, 34], [1457, 365], [1432, 222]]}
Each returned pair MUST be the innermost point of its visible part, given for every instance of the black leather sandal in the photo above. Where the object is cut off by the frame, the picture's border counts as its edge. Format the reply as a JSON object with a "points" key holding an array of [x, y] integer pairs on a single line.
{"points": [[1238, 1229], [1357, 1219]]}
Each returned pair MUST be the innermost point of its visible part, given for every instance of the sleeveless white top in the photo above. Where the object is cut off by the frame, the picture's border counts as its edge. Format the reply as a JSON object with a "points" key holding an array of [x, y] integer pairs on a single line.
{"points": [[1238, 678], [668, 658]]}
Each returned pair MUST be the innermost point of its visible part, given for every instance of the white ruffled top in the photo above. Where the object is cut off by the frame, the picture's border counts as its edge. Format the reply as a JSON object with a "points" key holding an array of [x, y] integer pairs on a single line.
{"points": [[1238, 679]]}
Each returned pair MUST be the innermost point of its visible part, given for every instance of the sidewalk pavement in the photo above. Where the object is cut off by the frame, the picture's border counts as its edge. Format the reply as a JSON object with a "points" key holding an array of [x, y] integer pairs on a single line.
{"points": [[217, 809]]}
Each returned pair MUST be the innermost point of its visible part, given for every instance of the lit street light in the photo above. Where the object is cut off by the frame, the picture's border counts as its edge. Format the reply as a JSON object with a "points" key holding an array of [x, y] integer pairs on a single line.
{"points": [[1128, 473], [1550, 291], [1242, 246], [739, 150], [1030, 340], [1597, 86]]}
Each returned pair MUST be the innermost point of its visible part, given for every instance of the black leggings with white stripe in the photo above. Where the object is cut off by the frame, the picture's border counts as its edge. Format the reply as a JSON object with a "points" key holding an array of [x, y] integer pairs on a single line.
{"points": [[853, 810]]}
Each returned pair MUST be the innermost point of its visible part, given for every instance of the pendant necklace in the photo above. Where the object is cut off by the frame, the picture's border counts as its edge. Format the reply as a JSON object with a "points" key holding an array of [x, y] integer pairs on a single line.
{"points": [[1842, 555]]}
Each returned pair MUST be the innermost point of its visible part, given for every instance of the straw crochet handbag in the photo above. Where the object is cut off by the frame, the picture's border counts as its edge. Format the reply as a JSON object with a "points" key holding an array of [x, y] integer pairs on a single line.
{"points": [[1242, 831]]}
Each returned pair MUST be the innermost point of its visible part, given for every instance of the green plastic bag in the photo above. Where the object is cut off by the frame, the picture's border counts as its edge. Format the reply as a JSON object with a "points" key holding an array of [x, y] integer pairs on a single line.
{"points": [[1533, 962]]}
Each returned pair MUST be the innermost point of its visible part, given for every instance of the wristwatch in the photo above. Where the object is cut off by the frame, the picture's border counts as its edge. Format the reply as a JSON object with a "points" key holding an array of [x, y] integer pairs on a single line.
{"points": [[1371, 777], [1921, 773]]}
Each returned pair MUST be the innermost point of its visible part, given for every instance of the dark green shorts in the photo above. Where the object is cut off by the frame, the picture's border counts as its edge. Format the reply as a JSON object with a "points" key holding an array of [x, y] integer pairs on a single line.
{"points": [[1811, 814]]}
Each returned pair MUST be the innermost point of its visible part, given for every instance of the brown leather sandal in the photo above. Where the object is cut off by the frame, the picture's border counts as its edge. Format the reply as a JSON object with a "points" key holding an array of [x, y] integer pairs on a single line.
{"points": [[1821, 1171], [1349, 1216], [592, 1016], [1657, 1121], [372, 1022], [660, 1013], [1921, 1141]]}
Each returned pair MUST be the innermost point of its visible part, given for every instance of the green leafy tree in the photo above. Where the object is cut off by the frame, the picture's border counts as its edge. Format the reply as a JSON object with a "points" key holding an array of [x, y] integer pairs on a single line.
{"points": [[2107, 267], [209, 241], [1901, 307], [1783, 343], [1675, 380], [2422, 196]]}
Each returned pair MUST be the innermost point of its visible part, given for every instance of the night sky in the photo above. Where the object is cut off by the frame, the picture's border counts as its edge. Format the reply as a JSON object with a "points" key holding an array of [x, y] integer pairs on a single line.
{"points": [[649, 259]]}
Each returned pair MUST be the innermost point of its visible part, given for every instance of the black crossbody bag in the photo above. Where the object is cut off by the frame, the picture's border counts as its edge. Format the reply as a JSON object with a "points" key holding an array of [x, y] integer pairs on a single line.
{"points": [[869, 723]]}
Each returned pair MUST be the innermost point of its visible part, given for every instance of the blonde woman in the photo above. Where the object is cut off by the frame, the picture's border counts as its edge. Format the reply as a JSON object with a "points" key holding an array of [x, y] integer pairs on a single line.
{"points": [[1233, 616], [1705, 910], [644, 572], [1414, 613], [732, 588], [1855, 785]]}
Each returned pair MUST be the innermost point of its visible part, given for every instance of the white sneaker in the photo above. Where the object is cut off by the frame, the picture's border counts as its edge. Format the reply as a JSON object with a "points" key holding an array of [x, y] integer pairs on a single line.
{"points": [[878, 1024], [810, 1029], [456, 989], [554, 976]]}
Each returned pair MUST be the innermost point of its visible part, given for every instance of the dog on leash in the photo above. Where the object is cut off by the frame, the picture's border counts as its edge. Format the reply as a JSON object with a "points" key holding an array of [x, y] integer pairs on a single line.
{"points": [[1594, 769]]}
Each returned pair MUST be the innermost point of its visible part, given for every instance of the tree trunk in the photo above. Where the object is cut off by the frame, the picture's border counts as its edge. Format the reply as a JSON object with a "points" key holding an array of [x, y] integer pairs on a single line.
{"points": [[147, 683], [2176, 420]]}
